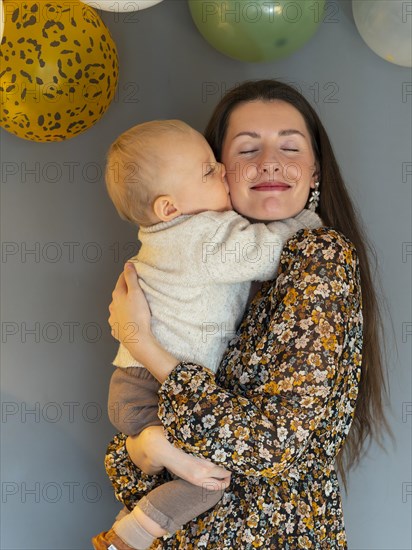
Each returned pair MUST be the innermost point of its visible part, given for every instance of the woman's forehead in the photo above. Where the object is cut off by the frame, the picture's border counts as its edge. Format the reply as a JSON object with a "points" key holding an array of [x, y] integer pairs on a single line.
{"points": [[251, 116]]}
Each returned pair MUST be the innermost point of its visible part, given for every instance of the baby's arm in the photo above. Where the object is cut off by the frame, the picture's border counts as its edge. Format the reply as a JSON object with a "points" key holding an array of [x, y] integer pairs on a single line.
{"points": [[133, 400], [242, 251]]}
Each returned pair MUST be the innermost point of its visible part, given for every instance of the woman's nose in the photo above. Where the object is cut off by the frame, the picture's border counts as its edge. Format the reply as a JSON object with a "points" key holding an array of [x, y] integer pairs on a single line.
{"points": [[269, 164], [270, 169]]}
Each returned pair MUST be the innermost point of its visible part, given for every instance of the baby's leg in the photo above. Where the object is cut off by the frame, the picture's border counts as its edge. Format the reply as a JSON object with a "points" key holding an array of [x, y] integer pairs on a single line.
{"points": [[165, 510], [175, 503]]}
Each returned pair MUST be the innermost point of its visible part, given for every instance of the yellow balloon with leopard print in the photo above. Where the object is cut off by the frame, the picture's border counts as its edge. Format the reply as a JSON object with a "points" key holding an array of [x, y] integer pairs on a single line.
{"points": [[59, 69]]}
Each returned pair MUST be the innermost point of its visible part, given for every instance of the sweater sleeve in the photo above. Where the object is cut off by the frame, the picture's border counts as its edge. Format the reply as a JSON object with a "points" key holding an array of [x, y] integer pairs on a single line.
{"points": [[241, 251], [316, 302]]}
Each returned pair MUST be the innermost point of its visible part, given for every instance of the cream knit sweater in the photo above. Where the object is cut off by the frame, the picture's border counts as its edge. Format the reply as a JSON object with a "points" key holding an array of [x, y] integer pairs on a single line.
{"points": [[196, 272]]}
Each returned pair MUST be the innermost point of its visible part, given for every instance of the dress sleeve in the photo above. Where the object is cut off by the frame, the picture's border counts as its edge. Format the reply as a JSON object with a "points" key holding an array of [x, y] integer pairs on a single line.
{"points": [[313, 312]]}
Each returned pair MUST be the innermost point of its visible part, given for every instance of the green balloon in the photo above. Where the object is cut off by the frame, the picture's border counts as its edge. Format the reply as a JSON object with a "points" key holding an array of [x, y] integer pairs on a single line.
{"points": [[263, 30]]}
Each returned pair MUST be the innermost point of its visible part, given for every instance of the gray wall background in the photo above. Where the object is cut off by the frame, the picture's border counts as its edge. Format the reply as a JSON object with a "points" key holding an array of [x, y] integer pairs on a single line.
{"points": [[54, 427]]}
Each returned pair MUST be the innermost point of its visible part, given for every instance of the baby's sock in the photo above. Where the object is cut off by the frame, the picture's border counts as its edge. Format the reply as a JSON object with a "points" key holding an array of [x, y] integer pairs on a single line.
{"points": [[132, 533], [123, 512]]}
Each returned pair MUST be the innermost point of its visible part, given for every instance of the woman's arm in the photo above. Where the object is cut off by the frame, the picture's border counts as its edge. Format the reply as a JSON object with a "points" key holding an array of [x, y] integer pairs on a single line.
{"points": [[314, 309], [152, 452], [310, 370]]}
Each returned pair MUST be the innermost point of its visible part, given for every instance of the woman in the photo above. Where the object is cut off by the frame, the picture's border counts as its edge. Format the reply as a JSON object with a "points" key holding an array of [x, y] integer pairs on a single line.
{"points": [[278, 413]]}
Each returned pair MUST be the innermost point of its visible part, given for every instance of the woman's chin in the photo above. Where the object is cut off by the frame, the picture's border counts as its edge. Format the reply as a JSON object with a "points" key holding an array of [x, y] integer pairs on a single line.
{"points": [[272, 210], [263, 218], [268, 210]]}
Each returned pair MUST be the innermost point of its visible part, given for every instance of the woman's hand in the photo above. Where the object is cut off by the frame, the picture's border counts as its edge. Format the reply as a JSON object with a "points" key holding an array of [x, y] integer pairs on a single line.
{"points": [[151, 451], [129, 311], [130, 323]]}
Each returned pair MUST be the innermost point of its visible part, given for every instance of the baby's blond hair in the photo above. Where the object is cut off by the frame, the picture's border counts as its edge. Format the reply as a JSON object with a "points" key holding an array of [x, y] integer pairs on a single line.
{"points": [[131, 168]]}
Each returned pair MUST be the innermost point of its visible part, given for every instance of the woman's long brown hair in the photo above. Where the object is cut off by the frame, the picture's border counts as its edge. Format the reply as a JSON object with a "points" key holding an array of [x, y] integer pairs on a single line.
{"points": [[337, 211]]}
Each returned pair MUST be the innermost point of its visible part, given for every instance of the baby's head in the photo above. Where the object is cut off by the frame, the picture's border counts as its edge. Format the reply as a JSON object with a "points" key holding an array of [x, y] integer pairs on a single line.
{"points": [[159, 170]]}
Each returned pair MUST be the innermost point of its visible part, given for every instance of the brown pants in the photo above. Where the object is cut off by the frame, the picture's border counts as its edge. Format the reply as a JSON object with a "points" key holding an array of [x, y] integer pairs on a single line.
{"points": [[133, 404]]}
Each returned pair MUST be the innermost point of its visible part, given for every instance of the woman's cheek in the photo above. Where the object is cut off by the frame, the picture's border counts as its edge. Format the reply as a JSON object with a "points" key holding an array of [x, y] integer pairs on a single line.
{"points": [[237, 203], [234, 181], [249, 173], [301, 201], [242, 172], [292, 172]]}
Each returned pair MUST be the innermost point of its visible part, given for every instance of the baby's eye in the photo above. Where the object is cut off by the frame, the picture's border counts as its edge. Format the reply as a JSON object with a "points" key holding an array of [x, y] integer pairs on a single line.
{"points": [[290, 149], [210, 171]]}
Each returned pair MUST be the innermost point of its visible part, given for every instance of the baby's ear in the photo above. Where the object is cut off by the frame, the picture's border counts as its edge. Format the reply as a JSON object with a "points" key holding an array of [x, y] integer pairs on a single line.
{"points": [[165, 208]]}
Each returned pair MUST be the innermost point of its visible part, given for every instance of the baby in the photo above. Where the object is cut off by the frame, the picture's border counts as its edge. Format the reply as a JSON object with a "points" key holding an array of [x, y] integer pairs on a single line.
{"points": [[196, 264]]}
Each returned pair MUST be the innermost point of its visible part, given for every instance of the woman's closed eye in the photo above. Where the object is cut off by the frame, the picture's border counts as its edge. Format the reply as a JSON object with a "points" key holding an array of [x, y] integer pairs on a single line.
{"points": [[248, 151], [290, 146]]}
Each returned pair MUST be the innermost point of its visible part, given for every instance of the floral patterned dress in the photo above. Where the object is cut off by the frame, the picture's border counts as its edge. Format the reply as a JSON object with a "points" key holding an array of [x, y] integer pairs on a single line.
{"points": [[277, 412]]}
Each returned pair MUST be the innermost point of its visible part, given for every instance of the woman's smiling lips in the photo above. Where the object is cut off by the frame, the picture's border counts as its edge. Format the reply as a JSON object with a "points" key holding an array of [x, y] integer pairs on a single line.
{"points": [[271, 186]]}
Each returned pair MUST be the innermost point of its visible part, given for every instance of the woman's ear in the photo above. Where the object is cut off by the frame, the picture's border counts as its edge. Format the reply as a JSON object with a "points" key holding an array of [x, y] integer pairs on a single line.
{"points": [[165, 209], [315, 177]]}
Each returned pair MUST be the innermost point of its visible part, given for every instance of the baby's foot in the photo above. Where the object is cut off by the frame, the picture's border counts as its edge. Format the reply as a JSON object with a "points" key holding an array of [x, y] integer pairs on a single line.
{"points": [[108, 540]]}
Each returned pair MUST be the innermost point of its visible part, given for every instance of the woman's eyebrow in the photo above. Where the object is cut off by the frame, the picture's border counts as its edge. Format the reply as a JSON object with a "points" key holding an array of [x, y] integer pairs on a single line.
{"points": [[290, 132], [249, 134], [255, 135]]}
